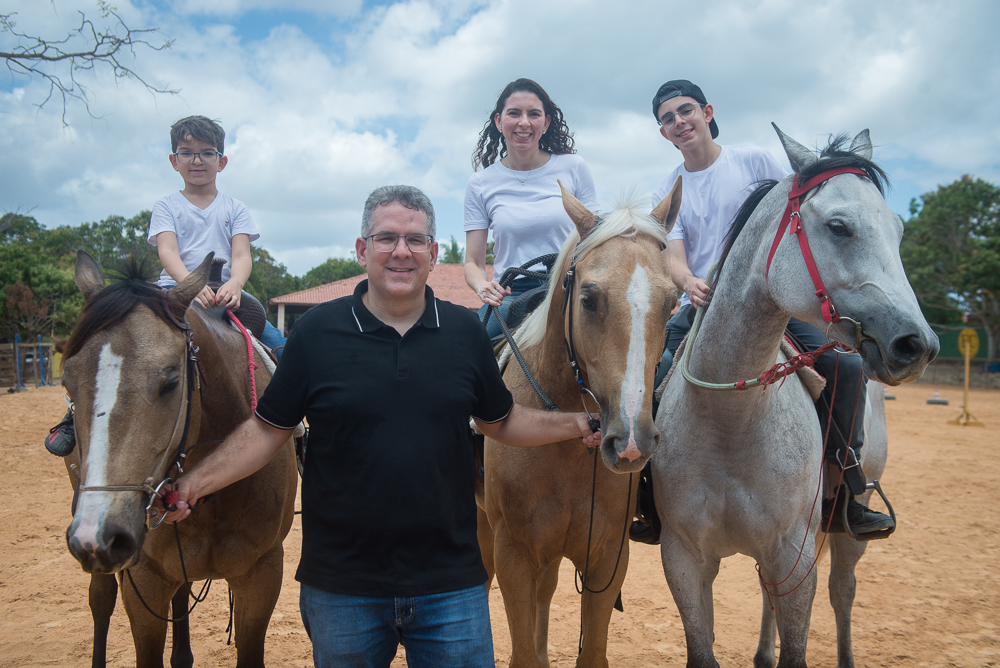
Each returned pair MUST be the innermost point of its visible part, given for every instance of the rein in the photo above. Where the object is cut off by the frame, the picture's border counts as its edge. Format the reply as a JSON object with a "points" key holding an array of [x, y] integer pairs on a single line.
{"points": [[791, 219]]}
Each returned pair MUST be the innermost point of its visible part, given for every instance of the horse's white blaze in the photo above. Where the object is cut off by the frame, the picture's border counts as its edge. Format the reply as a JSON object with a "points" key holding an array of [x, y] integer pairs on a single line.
{"points": [[633, 384], [93, 505]]}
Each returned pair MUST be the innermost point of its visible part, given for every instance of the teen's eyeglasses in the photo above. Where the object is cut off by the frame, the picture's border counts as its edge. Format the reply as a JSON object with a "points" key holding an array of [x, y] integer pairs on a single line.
{"points": [[187, 157], [385, 242], [685, 111]]}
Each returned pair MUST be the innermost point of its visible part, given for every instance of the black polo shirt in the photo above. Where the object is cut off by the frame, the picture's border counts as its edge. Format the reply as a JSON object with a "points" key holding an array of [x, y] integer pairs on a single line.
{"points": [[388, 498]]}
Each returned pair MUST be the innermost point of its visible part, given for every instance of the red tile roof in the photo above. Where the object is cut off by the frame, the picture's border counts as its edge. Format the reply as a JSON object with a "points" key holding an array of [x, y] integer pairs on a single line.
{"points": [[446, 280]]}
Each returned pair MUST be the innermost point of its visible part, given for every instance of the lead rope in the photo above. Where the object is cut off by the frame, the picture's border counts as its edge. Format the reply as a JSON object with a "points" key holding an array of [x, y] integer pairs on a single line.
{"points": [[252, 365]]}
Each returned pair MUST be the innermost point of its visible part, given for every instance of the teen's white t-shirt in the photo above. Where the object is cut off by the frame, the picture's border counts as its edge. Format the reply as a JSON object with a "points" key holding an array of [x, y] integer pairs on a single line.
{"points": [[527, 219], [201, 231], [710, 200]]}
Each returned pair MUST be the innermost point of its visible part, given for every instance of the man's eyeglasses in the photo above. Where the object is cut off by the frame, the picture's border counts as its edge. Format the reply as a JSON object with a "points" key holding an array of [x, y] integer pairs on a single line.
{"points": [[385, 242], [187, 157], [685, 111]]}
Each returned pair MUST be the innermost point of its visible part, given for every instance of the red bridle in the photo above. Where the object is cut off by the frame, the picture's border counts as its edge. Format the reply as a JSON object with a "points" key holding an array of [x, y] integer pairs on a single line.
{"points": [[798, 190]]}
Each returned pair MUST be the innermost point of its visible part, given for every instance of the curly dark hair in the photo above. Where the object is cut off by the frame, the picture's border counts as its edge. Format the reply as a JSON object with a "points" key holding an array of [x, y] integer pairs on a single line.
{"points": [[491, 147]]}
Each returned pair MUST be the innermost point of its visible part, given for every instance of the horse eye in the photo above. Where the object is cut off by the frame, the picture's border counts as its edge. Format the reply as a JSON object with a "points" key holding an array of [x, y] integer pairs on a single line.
{"points": [[839, 229], [170, 385], [588, 303]]}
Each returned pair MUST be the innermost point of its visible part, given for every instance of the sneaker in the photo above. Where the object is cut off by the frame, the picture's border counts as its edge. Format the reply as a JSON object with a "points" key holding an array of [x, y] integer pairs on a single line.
{"points": [[862, 520], [641, 532], [62, 437]]}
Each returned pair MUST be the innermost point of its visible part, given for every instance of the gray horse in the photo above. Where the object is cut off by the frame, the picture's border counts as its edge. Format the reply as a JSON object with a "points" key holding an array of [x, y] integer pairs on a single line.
{"points": [[740, 472]]}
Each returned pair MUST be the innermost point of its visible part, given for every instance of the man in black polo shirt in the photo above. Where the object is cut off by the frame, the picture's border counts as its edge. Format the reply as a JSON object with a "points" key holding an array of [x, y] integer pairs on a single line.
{"points": [[387, 379]]}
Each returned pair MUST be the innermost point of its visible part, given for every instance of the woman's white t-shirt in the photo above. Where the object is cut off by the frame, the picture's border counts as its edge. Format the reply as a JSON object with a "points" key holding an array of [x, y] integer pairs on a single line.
{"points": [[525, 209]]}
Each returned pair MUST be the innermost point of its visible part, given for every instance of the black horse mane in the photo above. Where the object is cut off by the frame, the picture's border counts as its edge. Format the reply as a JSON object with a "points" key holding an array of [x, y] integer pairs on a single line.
{"points": [[131, 285], [837, 154]]}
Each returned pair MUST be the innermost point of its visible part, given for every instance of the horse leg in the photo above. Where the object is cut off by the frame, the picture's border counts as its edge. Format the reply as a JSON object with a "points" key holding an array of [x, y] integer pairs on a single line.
{"points": [[485, 535], [765, 656], [255, 596], [690, 579], [519, 578], [148, 632], [103, 596], [546, 590], [793, 610], [597, 606], [180, 646], [845, 553]]}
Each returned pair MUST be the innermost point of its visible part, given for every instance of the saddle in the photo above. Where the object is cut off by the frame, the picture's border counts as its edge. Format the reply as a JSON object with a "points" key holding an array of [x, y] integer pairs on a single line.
{"points": [[251, 312]]}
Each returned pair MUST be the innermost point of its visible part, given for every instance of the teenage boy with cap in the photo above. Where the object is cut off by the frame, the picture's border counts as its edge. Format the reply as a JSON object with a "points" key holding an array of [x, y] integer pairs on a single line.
{"points": [[717, 180]]}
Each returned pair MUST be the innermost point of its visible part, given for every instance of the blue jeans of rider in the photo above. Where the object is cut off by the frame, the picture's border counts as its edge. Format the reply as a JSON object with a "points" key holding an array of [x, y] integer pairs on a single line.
{"points": [[517, 288], [451, 629]]}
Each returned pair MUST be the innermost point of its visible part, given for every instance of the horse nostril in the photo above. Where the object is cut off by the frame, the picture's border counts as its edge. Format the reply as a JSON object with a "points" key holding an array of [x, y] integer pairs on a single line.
{"points": [[907, 348], [119, 544]]}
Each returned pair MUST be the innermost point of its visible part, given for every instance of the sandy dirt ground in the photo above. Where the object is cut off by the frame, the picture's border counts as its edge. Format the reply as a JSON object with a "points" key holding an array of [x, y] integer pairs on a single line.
{"points": [[928, 596]]}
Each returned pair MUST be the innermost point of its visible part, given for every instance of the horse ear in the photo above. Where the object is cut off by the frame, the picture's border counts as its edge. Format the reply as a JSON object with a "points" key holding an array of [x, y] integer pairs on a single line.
{"points": [[799, 157], [862, 145], [666, 210], [185, 291], [88, 275], [581, 215]]}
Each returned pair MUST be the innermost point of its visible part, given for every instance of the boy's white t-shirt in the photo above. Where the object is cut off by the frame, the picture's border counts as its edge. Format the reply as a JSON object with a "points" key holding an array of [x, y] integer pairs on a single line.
{"points": [[201, 231], [528, 219], [710, 200]]}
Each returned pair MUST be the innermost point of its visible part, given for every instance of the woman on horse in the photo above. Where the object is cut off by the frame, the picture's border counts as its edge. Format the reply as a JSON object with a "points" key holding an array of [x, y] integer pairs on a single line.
{"points": [[524, 148]]}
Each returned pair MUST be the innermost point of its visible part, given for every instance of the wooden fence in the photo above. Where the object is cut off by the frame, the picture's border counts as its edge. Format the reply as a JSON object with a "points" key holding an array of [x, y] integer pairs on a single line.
{"points": [[24, 365]]}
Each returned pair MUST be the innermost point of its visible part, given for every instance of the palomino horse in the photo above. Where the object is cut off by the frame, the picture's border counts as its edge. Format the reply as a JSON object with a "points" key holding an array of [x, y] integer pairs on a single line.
{"points": [[142, 402], [543, 503], [740, 472]]}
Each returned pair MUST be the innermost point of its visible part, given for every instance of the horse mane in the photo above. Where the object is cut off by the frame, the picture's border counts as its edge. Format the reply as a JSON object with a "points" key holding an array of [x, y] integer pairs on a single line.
{"points": [[131, 286], [627, 220], [837, 154]]}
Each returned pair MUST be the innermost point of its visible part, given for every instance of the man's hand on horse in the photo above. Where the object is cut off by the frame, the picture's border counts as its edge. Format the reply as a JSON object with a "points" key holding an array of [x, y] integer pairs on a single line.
{"points": [[180, 507], [591, 439]]}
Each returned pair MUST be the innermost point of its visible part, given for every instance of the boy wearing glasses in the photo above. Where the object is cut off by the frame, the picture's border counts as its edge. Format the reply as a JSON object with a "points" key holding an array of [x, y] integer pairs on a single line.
{"points": [[188, 224], [717, 180]]}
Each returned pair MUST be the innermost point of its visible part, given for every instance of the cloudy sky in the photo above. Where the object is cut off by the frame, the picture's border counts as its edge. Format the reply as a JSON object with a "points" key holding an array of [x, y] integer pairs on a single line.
{"points": [[323, 100]]}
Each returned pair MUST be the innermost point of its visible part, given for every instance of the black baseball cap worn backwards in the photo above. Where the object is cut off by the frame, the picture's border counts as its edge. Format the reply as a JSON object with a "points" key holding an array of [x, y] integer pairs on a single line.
{"points": [[677, 88]]}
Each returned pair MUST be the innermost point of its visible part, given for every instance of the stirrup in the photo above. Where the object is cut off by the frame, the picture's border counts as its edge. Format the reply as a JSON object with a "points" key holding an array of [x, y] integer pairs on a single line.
{"points": [[844, 524], [872, 535]]}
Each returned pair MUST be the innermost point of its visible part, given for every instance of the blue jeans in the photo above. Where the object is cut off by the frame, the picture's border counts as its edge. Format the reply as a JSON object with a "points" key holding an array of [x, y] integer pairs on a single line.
{"points": [[677, 328], [451, 629], [273, 339], [517, 288]]}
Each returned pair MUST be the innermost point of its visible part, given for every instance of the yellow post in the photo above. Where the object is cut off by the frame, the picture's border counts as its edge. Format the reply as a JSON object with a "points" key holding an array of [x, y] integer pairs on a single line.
{"points": [[965, 340]]}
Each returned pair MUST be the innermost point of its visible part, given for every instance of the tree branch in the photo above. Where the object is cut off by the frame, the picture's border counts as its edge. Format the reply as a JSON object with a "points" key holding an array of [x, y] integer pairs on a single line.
{"points": [[83, 49]]}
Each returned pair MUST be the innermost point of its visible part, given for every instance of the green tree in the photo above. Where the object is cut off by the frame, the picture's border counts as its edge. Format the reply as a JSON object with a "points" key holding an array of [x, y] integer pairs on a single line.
{"points": [[951, 252], [268, 277], [334, 269], [25, 314], [107, 241], [453, 253], [27, 260]]}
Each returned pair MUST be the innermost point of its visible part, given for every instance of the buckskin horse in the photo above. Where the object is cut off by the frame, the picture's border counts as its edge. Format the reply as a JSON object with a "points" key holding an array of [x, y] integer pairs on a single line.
{"points": [[740, 472], [155, 383], [554, 501]]}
